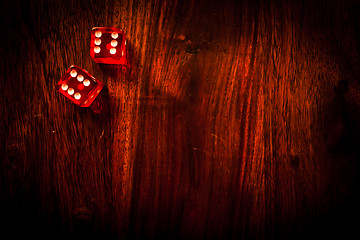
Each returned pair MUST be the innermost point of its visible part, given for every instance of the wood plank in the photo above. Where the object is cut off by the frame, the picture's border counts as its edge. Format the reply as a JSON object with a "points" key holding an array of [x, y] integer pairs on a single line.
{"points": [[236, 120]]}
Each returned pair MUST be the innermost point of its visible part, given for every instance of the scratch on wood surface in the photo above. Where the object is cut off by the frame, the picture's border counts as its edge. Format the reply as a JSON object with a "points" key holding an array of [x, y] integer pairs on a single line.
{"points": [[218, 131]]}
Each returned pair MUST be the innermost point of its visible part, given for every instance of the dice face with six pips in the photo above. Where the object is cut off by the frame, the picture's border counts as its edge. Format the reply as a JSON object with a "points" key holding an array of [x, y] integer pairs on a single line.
{"points": [[79, 86], [108, 45]]}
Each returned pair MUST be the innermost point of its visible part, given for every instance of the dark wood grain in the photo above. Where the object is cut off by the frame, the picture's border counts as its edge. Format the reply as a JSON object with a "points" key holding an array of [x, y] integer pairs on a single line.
{"points": [[236, 120]]}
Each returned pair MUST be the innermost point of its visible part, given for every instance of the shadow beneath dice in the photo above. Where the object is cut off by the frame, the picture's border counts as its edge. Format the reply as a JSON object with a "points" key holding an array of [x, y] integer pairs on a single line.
{"points": [[101, 105], [127, 72], [113, 71]]}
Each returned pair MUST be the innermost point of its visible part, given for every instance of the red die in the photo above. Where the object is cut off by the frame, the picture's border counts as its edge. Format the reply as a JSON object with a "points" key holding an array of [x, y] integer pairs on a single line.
{"points": [[108, 45], [79, 86]]}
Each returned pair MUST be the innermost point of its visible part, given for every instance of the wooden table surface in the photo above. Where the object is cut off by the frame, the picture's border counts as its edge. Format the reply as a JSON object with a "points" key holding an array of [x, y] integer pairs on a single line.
{"points": [[236, 120]]}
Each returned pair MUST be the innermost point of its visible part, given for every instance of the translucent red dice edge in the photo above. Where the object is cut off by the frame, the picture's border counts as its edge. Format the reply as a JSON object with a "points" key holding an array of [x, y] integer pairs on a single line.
{"points": [[116, 60], [84, 102]]}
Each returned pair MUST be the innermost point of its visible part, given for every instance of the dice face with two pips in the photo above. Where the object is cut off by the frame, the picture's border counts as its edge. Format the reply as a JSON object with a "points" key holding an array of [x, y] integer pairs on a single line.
{"points": [[79, 86], [108, 45]]}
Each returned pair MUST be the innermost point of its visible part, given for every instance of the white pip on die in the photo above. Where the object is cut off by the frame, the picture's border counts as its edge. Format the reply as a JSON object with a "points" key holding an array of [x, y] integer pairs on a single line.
{"points": [[79, 86]]}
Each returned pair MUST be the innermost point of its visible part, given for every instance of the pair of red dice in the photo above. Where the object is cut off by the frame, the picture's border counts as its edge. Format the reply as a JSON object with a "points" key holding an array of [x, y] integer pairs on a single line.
{"points": [[108, 46]]}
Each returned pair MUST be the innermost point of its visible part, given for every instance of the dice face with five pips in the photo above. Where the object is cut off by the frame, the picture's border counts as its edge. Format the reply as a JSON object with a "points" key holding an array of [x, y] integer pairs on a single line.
{"points": [[108, 45], [79, 86]]}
